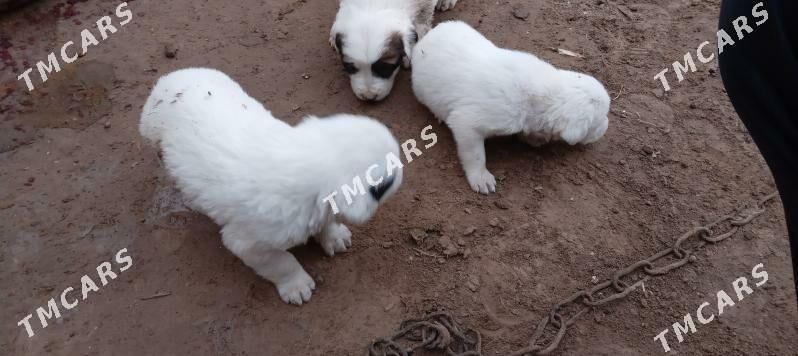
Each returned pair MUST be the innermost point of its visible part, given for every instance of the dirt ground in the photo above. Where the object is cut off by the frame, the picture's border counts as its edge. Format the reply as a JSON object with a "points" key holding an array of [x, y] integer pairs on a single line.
{"points": [[77, 186]]}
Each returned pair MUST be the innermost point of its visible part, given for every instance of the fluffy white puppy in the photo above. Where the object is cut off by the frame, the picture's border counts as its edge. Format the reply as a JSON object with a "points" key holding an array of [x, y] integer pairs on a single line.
{"points": [[481, 90], [262, 180], [375, 37]]}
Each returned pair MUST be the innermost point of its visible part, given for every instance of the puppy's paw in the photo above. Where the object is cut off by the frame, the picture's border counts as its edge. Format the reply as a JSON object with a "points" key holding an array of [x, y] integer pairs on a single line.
{"points": [[337, 238], [444, 5], [482, 181], [297, 290]]}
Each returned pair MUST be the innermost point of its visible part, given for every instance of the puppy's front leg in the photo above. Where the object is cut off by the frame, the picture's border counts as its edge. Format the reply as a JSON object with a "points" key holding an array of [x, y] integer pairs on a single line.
{"points": [[281, 268], [335, 237], [471, 149]]}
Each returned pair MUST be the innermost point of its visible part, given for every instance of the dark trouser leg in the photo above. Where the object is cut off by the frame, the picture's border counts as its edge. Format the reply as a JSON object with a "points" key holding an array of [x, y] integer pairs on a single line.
{"points": [[760, 73]]}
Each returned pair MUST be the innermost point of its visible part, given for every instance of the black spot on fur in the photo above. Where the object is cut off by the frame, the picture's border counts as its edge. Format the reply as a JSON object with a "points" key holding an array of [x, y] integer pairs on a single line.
{"points": [[339, 46], [383, 69], [379, 190], [350, 68], [391, 59]]}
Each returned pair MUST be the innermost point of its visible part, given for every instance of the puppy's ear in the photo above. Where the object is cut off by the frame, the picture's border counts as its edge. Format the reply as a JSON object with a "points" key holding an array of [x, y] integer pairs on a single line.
{"points": [[337, 43], [408, 41], [379, 190]]}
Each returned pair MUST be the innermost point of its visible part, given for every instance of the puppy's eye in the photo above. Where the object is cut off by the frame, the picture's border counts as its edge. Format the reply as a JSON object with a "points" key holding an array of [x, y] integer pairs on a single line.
{"points": [[384, 69], [350, 68]]}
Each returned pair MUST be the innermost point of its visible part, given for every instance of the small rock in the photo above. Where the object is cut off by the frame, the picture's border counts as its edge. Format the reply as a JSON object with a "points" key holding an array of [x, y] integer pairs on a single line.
{"points": [[501, 204], [494, 222], [470, 230], [169, 51], [648, 150], [520, 13], [392, 302], [418, 235], [449, 248], [472, 283], [748, 234], [594, 280], [107, 124]]}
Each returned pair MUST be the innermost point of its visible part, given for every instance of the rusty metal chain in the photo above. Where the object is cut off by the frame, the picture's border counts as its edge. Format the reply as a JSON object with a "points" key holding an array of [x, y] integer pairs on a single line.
{"points": [[558, 319], [437, 331]]}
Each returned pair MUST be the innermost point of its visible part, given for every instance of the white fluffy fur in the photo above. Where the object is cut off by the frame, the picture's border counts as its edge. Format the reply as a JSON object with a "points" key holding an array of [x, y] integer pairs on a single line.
{"points": [[366, 26], [262, 180], [481, 90]]}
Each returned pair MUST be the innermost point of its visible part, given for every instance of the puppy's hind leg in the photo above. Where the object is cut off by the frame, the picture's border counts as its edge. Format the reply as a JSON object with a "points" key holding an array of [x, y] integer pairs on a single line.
{"points": [[444, 5], [471, 149], [335, 237], [280, 267]]}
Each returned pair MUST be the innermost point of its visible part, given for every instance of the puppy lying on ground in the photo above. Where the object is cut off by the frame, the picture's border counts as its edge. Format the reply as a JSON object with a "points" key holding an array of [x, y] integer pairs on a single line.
{"points": [[375, 37], [262, 180], [481, 90]]}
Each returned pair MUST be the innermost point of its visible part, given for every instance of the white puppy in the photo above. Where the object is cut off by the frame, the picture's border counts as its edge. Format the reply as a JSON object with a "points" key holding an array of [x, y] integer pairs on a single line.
{"points": [[262, 180], [374, 37], [481, 90]]}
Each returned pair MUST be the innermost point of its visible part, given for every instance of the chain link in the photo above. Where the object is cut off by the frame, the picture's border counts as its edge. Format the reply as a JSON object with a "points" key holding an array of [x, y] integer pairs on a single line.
{"points": [[438, 331], [586, 299]]}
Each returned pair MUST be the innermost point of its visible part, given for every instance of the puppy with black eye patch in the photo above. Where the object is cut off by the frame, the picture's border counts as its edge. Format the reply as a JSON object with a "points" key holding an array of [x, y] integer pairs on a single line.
{"points": [[374, 38], [261, 179]]}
